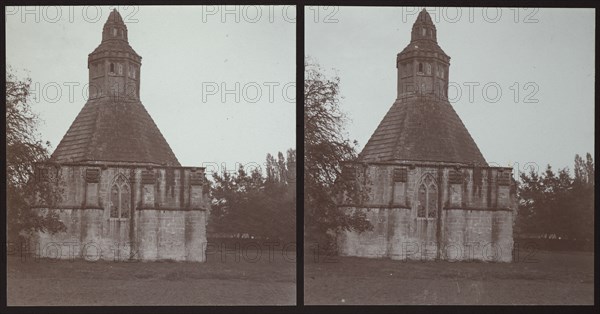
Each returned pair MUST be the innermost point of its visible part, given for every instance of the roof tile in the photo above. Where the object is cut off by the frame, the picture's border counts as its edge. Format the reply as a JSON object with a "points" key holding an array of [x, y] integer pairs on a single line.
{"points": [[108, 130], [422, 128]]}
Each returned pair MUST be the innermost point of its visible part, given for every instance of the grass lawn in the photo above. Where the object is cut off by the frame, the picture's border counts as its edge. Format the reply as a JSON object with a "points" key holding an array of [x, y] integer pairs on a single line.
{"points": [[540, 278], [216, 282]]}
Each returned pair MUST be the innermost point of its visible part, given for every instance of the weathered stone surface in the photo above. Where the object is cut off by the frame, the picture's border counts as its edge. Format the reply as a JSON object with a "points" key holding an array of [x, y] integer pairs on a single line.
{"points": [[400, 174], [157, 229], [92, 175], [471, 224]]}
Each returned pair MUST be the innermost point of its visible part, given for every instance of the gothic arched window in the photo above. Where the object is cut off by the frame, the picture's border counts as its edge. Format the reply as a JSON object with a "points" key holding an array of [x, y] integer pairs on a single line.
{"points": [[120, 198], [421, 202], [427, 198]]}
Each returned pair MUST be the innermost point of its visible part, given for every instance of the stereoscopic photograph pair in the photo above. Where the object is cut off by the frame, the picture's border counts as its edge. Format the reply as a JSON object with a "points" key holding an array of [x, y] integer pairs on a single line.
{"points": [[298, 156]]}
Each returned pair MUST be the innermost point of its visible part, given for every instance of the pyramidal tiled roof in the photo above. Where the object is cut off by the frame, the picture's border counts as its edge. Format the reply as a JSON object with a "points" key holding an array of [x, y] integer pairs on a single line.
{"points": [[114, 128], [422, 128], [119, 131]]}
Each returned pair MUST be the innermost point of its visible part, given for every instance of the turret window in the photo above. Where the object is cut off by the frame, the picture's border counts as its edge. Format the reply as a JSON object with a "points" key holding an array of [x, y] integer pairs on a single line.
{"points": [[424, 31], [120, 68], [428, 67], [114, 32], [97, 69], [112, 68], [420, 67], [131, 71]]}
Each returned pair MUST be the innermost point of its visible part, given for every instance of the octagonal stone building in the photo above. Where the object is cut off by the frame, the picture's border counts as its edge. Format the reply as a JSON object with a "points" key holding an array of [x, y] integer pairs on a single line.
{"points": [[124, 194], [429, 192]]}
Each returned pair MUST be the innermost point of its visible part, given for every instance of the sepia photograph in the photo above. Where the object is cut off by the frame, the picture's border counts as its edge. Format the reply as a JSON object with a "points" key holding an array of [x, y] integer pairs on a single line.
{"points": [[449, 156], [445, 157], [151, 155]]}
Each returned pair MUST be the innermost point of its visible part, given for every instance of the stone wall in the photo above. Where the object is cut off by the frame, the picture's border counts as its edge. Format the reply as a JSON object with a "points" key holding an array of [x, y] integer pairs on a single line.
{"points": [[474, 220], [167, 220]]}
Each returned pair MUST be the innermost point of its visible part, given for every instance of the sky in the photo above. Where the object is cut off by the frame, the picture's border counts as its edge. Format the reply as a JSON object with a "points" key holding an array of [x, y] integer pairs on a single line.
{"points": [[530, 71], [218, 81]]}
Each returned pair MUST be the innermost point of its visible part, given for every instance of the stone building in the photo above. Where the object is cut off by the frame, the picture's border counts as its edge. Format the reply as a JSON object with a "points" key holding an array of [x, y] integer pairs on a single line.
{"points": [[125, 195], [428, 191]]}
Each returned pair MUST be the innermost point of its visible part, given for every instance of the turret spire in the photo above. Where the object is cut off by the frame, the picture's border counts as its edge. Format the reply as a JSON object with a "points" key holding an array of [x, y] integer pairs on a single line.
{"points": [[114, 28], [423, 28]]}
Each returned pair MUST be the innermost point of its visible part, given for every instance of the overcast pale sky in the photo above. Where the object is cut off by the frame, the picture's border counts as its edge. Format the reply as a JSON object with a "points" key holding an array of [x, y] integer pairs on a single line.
{"points": [[551, 49], [189, 56]]}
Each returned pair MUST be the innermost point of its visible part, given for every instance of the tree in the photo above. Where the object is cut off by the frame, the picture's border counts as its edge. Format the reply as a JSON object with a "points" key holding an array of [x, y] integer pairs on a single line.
{"points": [[556, 205], [263, 207], [24, 151], [280, 191], [237, 202], [326, 147], [583, 198]]}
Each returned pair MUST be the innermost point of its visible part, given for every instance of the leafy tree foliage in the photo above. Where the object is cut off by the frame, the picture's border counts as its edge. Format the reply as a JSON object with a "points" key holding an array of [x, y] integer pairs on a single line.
{"points": [[556, 205], [24, 150], [262, 207], [326, 148], [583, 197]]}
